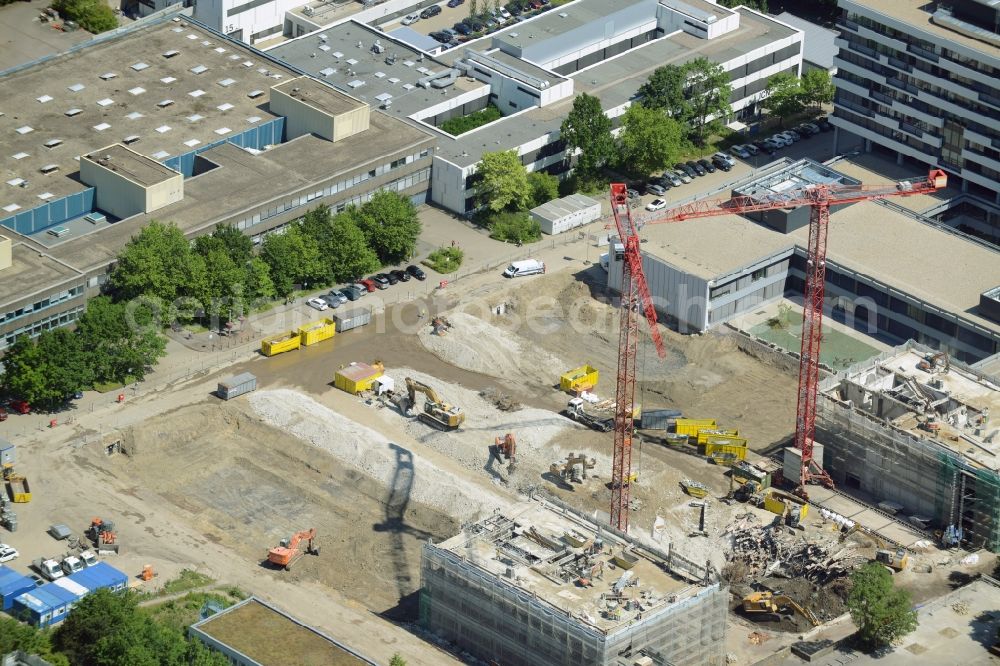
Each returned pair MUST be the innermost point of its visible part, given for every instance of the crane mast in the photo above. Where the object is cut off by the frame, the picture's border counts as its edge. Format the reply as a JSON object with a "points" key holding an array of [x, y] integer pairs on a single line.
{"points": [[635, 294]]}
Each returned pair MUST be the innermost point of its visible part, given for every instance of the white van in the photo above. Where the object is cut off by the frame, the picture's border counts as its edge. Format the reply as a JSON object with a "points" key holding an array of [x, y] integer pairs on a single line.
{"points": [[526, 267]]}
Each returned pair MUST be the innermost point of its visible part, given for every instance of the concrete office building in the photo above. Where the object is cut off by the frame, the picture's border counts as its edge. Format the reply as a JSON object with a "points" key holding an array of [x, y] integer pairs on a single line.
{"points": [[248, 21], [703, 272], [174, 122], [921, 81], [912, 426], [547, 586], [532, 70]]}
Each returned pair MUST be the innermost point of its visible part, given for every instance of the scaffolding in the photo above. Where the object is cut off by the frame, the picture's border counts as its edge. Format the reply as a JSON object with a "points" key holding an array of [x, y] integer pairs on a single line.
{"points": [[497, 616], [956, 495]]}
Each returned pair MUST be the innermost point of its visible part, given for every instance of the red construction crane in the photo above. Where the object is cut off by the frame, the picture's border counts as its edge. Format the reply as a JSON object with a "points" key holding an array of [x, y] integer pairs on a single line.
{"points": [[820, 198]]}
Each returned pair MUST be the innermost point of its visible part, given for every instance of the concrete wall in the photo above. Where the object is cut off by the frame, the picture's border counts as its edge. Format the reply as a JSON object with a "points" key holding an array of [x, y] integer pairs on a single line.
{"points": [[6, 259], [115, 194], [163, 193], [350, 123], [670, 20], [302, 118], [677, 294]]}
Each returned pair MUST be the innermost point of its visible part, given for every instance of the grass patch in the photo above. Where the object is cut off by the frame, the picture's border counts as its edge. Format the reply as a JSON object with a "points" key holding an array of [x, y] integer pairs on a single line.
{"points": [[463, 124], [188, 580], [182, 613], [107, 387], [445, 259]]}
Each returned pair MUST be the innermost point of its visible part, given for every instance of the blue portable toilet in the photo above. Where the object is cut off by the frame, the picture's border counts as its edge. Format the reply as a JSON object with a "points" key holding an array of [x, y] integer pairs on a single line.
{"points": [[100, 576], [13, 584]]}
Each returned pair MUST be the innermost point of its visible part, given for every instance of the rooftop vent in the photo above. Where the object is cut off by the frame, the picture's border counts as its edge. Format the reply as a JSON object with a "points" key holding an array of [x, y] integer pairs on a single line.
{"points": [[195, 118], [170, 54], [254, 94], [76, 87], [223, 130], [225, 83], [167, 79], [191, 143], [74, 112], [108, 76], [19, 156], [138, 90], [26, 129], [52, 143], [163, 129], [101, 127], [197, 93], [107, 101], [165, 103], [44, 98], [139, 66], [198, 69], [129, 140], [49, 168], [225, 106]]}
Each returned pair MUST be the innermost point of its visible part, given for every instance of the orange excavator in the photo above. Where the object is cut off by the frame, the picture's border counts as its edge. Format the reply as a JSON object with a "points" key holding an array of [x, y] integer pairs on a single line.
{"points": [[285, 554]]}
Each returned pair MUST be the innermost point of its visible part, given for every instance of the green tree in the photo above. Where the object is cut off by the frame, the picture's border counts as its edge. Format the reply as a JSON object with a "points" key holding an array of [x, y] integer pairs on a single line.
{"points": [[666, 89], [16, 635], [881, 612], [24, 371], [350, 255], [759, 5], [588, 130], [514, 227], [259, 287], [122, 338], [709, 90], [157, 263], [397, 660], [649, 140], [784, 96], [502, 182], [293, 257], [238, 245], [68, 363], [817, 88], [390, 224], [224, 295], [92, 15], [544, 187]]}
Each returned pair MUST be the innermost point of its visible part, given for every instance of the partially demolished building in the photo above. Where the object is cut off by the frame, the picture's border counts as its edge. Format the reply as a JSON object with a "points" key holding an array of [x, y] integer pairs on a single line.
{"points": [[912, 429], [544, 586]]}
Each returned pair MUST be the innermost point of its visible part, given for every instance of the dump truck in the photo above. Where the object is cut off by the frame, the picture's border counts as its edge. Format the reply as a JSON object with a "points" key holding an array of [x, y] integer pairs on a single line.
{"points": [[49, 569], [18, 489], [282, 342], [575, 411]]}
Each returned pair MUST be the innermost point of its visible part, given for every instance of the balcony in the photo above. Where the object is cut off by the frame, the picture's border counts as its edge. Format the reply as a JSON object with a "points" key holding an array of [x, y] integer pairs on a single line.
{"points": [[847, 23], [857, 108], [911, 129], [989, 99], [900, 64], [902, 85], [923, 53], [882, 97], [864, 50]]}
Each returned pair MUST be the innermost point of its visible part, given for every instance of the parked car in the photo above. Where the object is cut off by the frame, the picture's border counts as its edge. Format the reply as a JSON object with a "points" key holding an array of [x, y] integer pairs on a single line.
{"points": [[475, 23], [20, 406], [338, 295], [721, 164], [354, 291], [431, 11], [740, 151], [767, 146], [332, 301], [452, 34], [779, 140], [411, 19], [440, 36], [823, 124], [751, 148], [671, 177], [706, 165], [380, 280], [455, 3], [686, 170], [663, 182], [633, 194], [514, 8], [8, 553], [503, 14], [812, 128], [655, 189], [656, 204], [390, 277], [722, 157], [318, 303], [793, 135], [463, 28], [416, 272], [368, 284], [682, 176]]}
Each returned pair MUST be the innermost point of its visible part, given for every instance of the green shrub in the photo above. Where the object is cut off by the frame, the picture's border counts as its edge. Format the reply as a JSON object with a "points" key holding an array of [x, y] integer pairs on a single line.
{"points": [[515, 227], [463, 124], [544, 187], [445, 259], [92, 15]]}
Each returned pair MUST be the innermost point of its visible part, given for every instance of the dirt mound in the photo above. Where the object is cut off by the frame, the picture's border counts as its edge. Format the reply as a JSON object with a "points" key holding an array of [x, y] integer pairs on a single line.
{"points": [[479, 346]]}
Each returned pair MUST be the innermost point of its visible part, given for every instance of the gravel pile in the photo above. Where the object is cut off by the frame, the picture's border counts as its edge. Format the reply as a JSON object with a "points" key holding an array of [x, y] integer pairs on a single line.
{"points": [[370, 453], [479, 346]]}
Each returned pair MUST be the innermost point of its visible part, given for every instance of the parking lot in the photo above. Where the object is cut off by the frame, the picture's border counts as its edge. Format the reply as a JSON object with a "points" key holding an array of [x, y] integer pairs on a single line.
{"points": [[448, 17]]}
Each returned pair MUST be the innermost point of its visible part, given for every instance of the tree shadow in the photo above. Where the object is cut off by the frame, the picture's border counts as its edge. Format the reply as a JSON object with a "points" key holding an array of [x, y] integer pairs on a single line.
{"points": [[959, 579], [985, 628]]}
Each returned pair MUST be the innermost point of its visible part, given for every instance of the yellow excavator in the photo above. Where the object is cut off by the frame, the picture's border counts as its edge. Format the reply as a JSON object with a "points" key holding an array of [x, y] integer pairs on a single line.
{"points": [[436, 412], [768, 603], [892, 558]]}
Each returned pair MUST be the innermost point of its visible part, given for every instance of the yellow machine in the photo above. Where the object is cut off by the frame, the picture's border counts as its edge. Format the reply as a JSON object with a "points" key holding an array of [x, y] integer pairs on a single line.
{"points": [[768, 603], [579, 379], [436, 412], [895, 561]]}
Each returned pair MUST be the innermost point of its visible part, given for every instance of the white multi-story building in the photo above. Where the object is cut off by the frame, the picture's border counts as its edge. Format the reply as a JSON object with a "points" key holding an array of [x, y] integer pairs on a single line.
{"points": [[249, 21], [923, 82]]}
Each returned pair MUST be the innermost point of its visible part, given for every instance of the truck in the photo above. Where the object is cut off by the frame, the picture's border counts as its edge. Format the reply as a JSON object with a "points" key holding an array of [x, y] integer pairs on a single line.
{"points": [[575, 411], [49, 569], [524, 267], [88, 558], [71, 565]]}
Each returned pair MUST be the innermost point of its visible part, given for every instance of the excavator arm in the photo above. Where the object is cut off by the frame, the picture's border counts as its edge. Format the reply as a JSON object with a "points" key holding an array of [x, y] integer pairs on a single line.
{"points": [[413, 387], [783, 601]]}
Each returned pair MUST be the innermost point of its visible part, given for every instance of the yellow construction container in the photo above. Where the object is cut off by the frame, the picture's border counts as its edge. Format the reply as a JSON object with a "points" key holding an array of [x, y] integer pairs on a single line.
{"points": [[735, 445], [579, 379], [357, 377], [705, 433], [776, 501], [280, 343], [317, 331], [690, 427]]}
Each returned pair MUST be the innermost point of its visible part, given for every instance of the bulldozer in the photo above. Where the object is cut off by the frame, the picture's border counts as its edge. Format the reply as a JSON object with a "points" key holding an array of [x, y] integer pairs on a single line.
{"points": [[288, 552], [436, 413], [775, 605]]}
